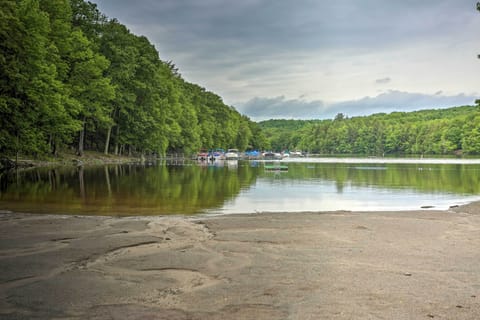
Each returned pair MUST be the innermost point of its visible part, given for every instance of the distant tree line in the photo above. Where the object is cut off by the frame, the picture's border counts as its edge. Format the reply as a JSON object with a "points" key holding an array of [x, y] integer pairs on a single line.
{"points": [[443, 131], [72, 78]]}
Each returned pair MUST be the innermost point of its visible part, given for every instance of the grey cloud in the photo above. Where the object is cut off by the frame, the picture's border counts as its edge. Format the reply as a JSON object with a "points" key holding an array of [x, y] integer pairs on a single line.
{"points": [[383, 80], [305, 24], [225, 32], [394, 100], [225, 45], [280, 108]]}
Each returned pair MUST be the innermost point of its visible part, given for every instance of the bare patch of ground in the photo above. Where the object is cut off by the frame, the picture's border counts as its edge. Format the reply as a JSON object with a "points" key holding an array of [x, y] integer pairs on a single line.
{"points": [[339, 265]]}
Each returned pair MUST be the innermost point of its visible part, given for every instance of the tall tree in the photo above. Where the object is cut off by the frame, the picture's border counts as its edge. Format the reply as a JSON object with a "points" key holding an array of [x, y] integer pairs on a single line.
{"points": [[11, 33], [118, 45], [87, 17], [91, 90], [61, 46], [32, 95]]}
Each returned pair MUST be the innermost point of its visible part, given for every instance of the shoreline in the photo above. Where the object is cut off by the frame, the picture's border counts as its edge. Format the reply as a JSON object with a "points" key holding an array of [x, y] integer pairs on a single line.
{"points": [[98, 158], [420, 264]]}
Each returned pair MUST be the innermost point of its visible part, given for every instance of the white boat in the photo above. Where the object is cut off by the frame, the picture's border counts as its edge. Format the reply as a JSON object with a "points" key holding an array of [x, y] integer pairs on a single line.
{"points": [[296, 154], [232, 154], [272, 155]]}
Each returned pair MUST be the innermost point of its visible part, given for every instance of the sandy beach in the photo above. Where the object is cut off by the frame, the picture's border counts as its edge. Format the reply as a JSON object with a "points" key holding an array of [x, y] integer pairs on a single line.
{"points": [[333, 265]]}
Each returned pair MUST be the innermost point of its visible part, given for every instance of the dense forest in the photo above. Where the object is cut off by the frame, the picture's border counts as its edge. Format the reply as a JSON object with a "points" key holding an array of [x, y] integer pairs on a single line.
{"points": [[443, 131], [73, 79]]}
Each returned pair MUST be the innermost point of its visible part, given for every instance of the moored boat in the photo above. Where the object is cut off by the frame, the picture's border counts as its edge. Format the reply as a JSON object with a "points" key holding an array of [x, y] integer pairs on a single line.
{"points": [[216, 154], [272, 155], [252, 155], [202, 155], [232, 154], [296, 154]]}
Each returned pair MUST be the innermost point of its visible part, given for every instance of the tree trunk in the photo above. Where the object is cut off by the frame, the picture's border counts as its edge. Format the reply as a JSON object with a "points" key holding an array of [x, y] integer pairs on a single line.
{"points": [[109, 132], [82, 138], [53, 146], [116, 139], [107, 141], [16, 152]]}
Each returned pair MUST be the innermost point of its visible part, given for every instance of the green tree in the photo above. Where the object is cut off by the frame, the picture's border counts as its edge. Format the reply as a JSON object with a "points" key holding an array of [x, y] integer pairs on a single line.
{"points": [[70, 76], [92, 91], [11, 34], [33, 97], [117, 45], [443, 131], [87, 17]]}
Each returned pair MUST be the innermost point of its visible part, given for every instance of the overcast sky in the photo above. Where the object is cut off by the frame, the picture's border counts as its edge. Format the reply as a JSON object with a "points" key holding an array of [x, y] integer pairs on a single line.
{"points": [[301, 59]]}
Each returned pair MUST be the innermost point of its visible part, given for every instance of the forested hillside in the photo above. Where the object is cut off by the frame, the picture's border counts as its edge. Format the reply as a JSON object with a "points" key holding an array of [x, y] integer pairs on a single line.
{"points": [[443, 131], [72, 79]]}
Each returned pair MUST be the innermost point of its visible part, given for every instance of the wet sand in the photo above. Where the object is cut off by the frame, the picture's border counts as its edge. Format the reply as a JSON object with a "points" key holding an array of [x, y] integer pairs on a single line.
{"points": [[337, 265]]}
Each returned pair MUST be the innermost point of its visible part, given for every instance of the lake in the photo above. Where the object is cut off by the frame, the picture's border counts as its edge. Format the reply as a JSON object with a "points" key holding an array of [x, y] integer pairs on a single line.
{"points": [[226, 187]]}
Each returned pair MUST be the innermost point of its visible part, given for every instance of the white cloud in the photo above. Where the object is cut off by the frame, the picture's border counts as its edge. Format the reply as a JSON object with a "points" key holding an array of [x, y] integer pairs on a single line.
{"points": [[260, 109], [330, 51]]}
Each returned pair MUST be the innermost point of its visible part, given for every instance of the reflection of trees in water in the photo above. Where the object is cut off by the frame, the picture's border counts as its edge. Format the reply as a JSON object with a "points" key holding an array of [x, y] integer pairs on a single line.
{"points": [[81, 181], [128, 189], [107, 180], [163, 189], [339, 185], [455, 178]]}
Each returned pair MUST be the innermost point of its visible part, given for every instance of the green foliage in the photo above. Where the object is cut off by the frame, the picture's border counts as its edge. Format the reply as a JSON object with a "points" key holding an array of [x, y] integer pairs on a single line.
{"points": [[444, 131], [71, 78], [283, 134], [32, 95]]}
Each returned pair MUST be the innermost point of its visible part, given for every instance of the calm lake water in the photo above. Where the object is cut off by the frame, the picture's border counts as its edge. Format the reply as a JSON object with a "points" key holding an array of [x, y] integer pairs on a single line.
{"points": [[242, 187]]}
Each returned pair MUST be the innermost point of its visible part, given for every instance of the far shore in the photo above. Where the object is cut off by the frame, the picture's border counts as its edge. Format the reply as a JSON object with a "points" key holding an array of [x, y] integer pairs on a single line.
{"points": [[311, 265], [98, 158]]}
